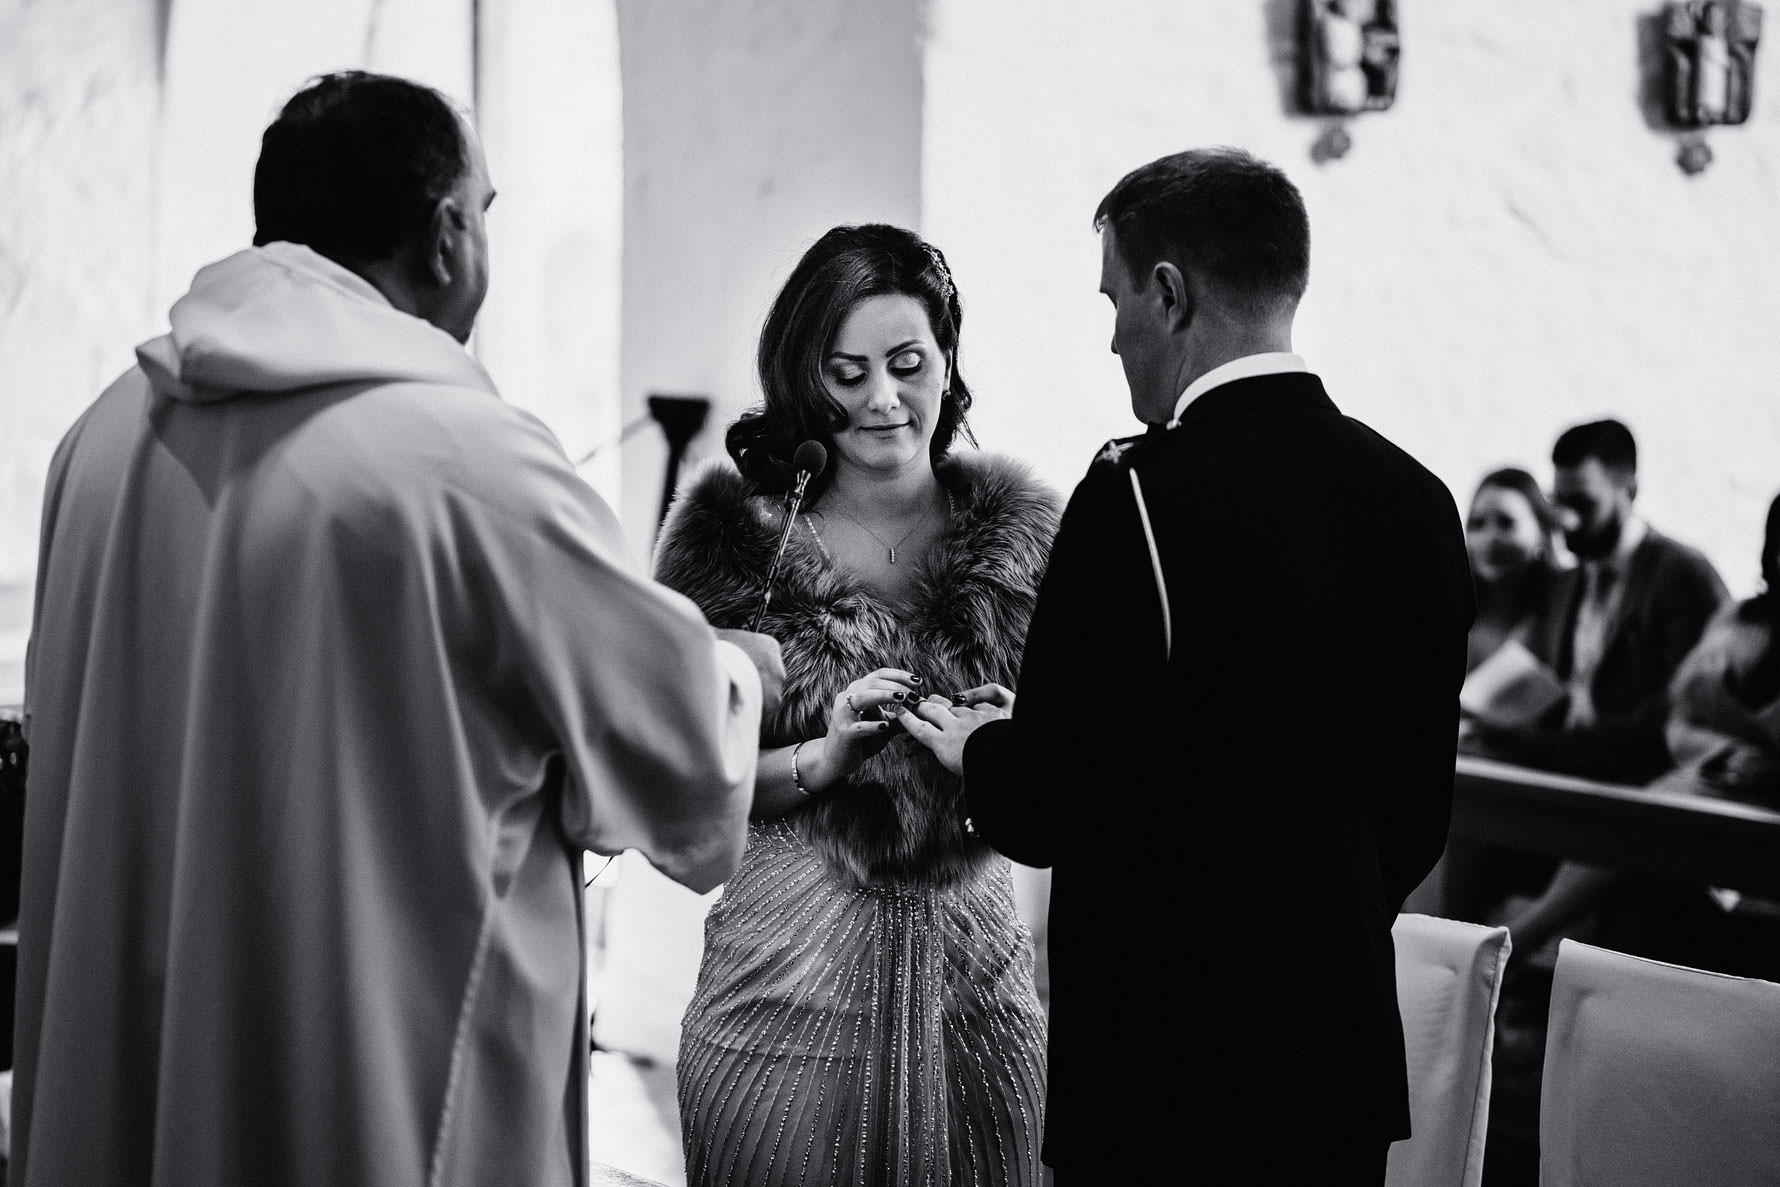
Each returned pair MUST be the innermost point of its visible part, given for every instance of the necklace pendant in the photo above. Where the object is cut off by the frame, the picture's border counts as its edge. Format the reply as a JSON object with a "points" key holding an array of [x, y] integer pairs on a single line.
{"points": [[893, 555]]}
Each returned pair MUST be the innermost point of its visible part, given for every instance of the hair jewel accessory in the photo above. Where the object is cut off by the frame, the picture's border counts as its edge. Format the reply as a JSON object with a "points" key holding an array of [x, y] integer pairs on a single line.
{"points": [[947, 288]]}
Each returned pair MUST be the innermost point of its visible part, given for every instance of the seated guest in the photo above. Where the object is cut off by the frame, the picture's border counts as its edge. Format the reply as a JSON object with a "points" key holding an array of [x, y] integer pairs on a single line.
{"points": [[1724, 727], [1723, 731], [1635, 607], [1638, 605], [1724, 734], [1511, 536]]}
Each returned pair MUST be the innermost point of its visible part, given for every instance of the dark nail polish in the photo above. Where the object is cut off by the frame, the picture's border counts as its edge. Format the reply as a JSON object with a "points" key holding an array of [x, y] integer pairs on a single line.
{"points": [[914, 680]]}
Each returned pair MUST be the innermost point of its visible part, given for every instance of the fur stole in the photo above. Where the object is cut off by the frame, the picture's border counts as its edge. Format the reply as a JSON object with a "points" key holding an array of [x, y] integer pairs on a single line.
{"points": [[900, 816]]}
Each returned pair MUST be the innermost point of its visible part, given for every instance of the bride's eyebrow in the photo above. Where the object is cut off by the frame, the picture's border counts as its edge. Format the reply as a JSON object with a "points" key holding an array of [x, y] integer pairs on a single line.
{"points": [[853, 358]]}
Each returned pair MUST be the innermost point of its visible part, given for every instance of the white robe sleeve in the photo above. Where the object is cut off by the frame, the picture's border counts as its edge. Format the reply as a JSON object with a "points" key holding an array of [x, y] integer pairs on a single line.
{"points": [[656, 719]]}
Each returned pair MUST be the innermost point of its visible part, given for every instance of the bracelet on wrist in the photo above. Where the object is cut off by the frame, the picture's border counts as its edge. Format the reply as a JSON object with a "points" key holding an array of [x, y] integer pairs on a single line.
{"points": [[796, 778]]}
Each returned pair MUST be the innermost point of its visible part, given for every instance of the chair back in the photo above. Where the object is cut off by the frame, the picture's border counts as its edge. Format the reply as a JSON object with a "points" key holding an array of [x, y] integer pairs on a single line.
{"points": [[1449, 977], [1658, 1074]]}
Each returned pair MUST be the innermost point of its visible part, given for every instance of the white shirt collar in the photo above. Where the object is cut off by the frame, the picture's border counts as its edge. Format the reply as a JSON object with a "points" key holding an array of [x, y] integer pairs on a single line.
{"points": [[1273, 362]]}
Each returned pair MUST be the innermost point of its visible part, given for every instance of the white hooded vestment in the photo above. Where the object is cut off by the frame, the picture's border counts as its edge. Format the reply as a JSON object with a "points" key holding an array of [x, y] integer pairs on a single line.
{"points": [[336, 667]]}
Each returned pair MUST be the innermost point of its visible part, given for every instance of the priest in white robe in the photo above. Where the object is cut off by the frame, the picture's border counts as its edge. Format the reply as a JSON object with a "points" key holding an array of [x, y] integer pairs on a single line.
{"points": [[336, 669]]}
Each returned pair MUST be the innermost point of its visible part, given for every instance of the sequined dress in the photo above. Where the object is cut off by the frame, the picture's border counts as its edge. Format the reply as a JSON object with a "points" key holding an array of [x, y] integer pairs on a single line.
{"points": [[875, 1035], [865, 1011]]}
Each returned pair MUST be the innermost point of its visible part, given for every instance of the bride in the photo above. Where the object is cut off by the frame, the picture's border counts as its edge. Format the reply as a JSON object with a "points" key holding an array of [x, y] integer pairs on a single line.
{"points": [[865, 1011]]}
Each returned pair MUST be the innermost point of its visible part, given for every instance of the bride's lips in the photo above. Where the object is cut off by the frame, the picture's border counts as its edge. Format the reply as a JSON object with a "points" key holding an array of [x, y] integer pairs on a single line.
{"points": [[883, 428]]}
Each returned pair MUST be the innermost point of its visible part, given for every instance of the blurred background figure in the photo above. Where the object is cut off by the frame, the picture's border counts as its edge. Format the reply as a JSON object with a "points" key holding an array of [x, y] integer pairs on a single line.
{"points": [[1639, 602], [1642, 601], [1636, 607], [1724, 735], [1625, 619], [1724, 727], [1517, 562], [1523, 578]]}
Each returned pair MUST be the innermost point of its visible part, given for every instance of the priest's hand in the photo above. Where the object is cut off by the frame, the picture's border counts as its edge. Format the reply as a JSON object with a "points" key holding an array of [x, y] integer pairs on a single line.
{"points": [[763, 651]]}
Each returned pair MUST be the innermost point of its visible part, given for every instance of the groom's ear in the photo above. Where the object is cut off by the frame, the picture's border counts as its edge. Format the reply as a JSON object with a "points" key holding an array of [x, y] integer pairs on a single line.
{"points": [[1173, 295]]}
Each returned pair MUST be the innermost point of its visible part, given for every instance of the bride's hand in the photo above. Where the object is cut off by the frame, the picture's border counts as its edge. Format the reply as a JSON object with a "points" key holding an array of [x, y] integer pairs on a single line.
{"points": [[861, 722]]}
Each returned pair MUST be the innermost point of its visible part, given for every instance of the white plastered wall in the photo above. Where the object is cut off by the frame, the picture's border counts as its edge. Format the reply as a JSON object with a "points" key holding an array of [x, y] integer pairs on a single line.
{"points": [[1509, 250], [128, 135], [79, 97]]}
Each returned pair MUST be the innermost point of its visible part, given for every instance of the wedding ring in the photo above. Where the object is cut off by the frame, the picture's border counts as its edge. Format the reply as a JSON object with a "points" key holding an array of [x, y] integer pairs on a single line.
{"points": [[851, 705]]}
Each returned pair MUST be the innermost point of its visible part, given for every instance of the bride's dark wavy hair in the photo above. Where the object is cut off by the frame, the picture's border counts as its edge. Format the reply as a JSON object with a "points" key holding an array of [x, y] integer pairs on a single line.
{"points": [[845, 266]]}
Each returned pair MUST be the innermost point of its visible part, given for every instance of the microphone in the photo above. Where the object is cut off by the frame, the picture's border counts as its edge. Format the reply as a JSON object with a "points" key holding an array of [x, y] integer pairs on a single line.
{"points": [[809, 460]]}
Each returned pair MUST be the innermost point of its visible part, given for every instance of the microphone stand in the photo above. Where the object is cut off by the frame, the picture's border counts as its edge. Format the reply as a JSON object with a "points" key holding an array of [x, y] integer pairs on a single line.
{"points": [[793, 501]]}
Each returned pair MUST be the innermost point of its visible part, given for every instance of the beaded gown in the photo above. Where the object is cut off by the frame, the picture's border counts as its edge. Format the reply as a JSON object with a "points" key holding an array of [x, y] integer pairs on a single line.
{"points": [[865, 1011]]}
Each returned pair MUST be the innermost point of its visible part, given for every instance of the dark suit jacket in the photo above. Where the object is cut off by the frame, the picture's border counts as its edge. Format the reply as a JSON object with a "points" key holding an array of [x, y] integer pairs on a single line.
{"points": [[1233, 830], [1671, 592]]}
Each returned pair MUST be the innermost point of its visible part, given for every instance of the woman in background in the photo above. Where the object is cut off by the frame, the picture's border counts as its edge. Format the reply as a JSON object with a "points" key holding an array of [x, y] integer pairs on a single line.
{"points": [[1511, 534], [865, 1011]]}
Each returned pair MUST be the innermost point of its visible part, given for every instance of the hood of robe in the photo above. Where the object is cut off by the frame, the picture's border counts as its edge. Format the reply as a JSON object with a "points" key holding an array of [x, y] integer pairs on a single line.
{"points": [[281, 318]]}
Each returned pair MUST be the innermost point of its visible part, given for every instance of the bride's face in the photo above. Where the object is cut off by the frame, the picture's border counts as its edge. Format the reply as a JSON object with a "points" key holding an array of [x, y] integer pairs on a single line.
{"points": [[889, 374]]}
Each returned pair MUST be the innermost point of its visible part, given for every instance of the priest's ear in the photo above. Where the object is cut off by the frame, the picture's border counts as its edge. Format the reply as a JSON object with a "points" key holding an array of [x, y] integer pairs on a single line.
{"points": [[447, 235]]}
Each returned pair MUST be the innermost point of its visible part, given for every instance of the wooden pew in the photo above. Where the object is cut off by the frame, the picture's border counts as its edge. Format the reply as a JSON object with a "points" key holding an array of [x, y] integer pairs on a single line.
{"points": [[1686, 838]]}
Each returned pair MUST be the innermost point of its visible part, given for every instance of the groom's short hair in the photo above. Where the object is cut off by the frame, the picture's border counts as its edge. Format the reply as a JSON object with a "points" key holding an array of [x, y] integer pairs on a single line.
{"points": [[1236, 220]]}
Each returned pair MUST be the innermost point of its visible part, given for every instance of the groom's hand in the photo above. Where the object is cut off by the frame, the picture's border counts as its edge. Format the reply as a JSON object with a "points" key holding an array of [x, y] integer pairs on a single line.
{"points": [[944, 726]]}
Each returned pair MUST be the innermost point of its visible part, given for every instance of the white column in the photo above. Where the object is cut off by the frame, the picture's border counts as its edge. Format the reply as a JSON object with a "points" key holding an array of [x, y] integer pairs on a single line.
{"points": [[551, 123], [78, 162]]}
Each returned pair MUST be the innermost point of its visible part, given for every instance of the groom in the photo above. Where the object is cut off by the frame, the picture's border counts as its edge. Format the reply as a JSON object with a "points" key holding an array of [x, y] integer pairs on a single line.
{"points": [[1236, 723]]}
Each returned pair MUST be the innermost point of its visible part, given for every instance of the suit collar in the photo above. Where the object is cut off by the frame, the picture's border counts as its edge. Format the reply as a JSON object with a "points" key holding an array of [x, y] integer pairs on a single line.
{"points": [[1272, 362], [1256, 393]]}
